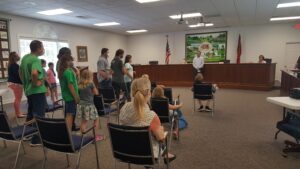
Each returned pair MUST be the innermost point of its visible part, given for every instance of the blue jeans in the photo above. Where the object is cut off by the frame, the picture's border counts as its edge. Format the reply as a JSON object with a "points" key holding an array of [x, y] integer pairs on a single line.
{"points": [[105, 84], [36, 107]]}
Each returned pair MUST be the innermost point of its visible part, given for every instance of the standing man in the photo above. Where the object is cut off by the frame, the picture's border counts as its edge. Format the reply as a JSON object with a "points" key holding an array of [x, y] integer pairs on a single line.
{"points": [[103, 69], [119, 71], [198, 63], [33, 78]]}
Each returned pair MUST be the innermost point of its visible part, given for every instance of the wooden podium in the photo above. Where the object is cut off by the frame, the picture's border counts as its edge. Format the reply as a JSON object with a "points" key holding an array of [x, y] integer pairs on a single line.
{"points": [[289, 80], [235, 76]]}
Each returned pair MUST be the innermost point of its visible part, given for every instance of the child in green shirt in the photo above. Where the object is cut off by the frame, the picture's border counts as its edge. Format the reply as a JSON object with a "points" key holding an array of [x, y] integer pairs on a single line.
{"points": [[69, 88]]}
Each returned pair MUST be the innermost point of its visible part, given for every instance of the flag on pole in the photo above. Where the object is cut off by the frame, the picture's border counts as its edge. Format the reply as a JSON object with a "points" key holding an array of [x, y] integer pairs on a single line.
{"points": [[168, 53], [239, 51]]}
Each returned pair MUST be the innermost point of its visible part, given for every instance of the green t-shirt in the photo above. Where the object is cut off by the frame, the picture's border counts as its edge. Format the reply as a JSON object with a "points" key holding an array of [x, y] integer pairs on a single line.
{"points": [[68, 77], [31, 62]]}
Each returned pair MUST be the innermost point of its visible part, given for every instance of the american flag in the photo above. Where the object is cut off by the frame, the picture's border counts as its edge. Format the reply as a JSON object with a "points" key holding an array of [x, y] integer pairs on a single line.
{"points": [[168, 53]]}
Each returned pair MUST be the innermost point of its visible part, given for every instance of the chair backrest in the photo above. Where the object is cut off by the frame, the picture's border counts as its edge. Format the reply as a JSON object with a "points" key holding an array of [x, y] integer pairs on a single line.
{"points": [[99, 104], [131, 144], [5, 128], [108, 94], [203, 91], [161, 107], [168, 94], [55, 134]]}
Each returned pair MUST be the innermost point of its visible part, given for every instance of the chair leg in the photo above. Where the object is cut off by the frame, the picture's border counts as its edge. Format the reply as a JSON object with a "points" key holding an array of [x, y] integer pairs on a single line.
{"points": [[68, 160], [194, 106], [97, 156], [213, 109], [129, 166], [4, 143], [17, 157], [276, 134], [78, 160], [45, 157], [23, 146], [167, 153], [178, 135]]}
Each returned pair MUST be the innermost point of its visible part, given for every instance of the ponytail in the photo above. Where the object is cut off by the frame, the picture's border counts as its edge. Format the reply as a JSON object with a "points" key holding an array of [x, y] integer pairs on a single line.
{"points": [[138, 102], [140, 88]]}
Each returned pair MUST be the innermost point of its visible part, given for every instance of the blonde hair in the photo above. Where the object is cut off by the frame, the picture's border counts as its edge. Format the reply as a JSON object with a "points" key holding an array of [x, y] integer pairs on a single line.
{"points": [[145, 76], [140, 90], [85, 79], [158, 92], [199, 77]]}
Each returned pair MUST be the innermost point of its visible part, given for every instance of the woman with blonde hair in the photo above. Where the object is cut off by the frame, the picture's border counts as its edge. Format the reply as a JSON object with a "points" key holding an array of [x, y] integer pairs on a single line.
{"points": [[86, 108], [137, 113]]}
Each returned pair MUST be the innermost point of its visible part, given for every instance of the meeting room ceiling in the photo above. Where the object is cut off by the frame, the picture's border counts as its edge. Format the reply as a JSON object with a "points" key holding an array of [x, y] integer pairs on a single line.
{"points": [[151, 16]]}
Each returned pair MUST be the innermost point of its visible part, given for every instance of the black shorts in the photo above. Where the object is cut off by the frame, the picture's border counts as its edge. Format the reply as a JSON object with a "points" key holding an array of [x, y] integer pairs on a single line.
{"points": [[52, 85]]}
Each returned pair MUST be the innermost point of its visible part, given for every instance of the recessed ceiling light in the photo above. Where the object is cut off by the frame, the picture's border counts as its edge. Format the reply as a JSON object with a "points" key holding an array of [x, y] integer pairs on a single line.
{"points": [[285, 18], [146, 1], [197, 25], [107, 24], [55, 11], [201, 25], [286, 5], [209, 24], [137, 31], [189, 15]]}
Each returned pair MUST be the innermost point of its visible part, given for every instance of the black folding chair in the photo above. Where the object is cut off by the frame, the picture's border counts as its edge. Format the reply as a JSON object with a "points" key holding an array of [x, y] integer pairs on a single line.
{"points": [[52, 108], [103, 108], [204, 91], [161, 107], [56, 136], [109, 98], [15, 134], [123, 137], [169, 95]]}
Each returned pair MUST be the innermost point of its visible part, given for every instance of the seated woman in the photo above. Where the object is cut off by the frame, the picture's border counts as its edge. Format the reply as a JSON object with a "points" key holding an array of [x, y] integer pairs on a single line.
{"points": [[158, 92], [261, 59], [138, 114], [199, 80]]}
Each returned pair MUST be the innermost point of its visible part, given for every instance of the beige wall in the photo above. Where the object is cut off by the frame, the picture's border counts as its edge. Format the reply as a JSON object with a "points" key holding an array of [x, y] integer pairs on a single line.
{"points": [[74, 35]]}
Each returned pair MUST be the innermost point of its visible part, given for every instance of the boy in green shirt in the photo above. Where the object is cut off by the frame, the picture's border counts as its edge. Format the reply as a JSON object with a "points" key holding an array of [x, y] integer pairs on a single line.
{"points": [[32, 76]]}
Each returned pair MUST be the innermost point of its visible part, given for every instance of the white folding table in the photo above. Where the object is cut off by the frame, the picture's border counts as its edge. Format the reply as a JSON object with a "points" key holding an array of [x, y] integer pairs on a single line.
{"points": [[287, 103]]}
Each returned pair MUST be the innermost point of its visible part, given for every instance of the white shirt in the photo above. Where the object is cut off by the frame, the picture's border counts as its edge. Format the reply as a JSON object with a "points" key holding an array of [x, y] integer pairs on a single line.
{"points": [[198, 62]]}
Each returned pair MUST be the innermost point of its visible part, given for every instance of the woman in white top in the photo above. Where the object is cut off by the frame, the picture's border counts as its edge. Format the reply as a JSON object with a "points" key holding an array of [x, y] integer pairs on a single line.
{"points": [[138, 114], [261, 59], [128, 77]]}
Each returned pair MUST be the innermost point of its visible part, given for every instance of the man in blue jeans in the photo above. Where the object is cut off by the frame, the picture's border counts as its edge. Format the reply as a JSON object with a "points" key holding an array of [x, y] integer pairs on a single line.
{"points": [[33, 78]]}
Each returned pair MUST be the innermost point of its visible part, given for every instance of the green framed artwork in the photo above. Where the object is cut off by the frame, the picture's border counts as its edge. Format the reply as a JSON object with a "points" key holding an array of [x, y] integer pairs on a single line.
{"points": [[212, 45]]}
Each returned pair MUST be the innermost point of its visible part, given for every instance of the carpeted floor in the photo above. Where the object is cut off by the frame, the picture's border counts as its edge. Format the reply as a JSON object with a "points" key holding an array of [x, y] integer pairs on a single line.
{"points": [[239, 136]]}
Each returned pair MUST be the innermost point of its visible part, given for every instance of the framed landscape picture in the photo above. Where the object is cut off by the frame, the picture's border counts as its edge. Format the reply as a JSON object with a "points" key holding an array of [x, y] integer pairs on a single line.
{"points": [[212, 45], [82, 54]]}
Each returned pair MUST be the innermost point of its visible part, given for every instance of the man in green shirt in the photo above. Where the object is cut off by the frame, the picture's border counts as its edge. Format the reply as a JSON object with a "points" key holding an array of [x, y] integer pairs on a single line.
{"points": [[32, 76]]}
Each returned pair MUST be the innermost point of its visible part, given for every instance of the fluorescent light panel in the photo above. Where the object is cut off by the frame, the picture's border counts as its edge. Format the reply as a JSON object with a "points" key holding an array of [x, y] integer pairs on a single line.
{"points": [[201, 25], [209, 24], [59, 11], [285, 18], [107, 24], [137, 31], [189, 15], [286, 5], [146, 1]]}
